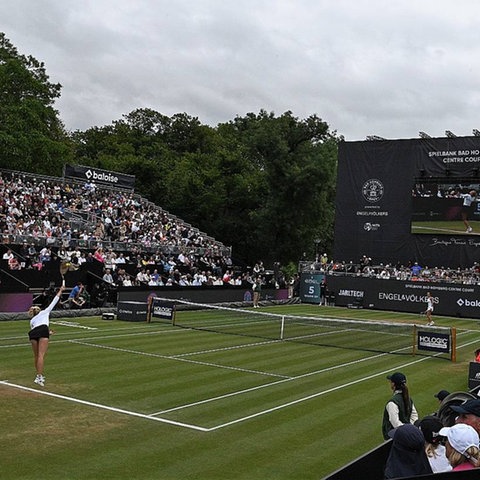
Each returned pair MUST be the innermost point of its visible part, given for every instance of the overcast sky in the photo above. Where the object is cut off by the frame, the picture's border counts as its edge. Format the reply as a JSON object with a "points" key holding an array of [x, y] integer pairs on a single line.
{"points": [[366, 67]]}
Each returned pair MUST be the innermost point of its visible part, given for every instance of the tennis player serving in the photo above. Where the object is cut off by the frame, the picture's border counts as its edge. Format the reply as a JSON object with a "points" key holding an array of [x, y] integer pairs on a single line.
{"points": [[39, 334]]}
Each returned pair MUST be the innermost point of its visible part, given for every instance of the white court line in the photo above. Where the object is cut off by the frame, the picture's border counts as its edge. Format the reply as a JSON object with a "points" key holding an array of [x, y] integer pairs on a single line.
{"points": [[177, 359], [265, 385], [104, 407], [63, 337], [238, 420], [309, 397], [223, 349], [64, 323], [324, 392]]}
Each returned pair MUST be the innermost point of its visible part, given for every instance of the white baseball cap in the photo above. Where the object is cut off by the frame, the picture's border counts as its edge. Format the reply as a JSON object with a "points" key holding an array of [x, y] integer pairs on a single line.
{"points": [[461, 437]]}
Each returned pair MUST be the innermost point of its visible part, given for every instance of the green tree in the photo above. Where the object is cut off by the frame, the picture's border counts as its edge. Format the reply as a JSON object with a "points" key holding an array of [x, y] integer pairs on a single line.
{"points": [[146, 144], [32, 137], [260, 183], [290, 167]]}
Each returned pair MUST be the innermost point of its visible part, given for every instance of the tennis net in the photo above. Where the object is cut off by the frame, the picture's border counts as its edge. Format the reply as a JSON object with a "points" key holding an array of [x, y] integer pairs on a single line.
{"points": [[374, 336]]}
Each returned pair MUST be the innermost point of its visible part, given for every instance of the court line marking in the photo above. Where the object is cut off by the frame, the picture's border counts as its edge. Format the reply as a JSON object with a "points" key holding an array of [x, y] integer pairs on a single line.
{"points": [[310, 397], [324, 392], [216, 427], [186, 360], [57, 340], [232, 422], [65, 323], [104, 407], [259, 387]]}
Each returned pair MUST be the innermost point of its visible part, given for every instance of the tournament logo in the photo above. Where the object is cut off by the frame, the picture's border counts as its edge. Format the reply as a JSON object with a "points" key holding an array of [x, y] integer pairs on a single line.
{"points": [[371, 227], [373, 190]]}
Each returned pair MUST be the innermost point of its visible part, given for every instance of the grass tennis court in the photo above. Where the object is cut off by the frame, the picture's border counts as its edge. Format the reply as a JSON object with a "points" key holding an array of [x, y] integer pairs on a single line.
{"points": [[445, 227], [142, 401]]}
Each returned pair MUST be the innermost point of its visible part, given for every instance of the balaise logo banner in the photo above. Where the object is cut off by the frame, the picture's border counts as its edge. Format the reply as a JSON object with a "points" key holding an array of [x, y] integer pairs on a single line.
{"points": [[96, 175]]}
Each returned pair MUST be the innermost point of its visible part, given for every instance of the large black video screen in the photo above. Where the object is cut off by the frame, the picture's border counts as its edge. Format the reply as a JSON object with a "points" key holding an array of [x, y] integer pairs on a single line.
{"points": [[446, 206]]}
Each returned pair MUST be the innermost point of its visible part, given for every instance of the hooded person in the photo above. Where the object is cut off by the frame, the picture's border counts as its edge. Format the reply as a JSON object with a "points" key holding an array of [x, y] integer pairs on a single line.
{"points": [[461, 446], [407, 456]]}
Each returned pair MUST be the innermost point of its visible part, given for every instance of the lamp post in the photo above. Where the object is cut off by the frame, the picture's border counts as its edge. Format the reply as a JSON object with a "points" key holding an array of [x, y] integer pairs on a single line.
{"points": [[317, 243]]}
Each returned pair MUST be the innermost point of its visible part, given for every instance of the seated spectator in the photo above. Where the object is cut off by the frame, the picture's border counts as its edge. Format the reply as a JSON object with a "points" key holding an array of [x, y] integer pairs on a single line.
{"points": [[81, 259], [126, 281], [441, 395], [469, 413], [430, 426], [107, 277], [407, 456], [99, 255], [45, 255], [7, 255], [154, 278], [461, 446], [120, 259], [13, 263], [143, 277], [24, 256]]}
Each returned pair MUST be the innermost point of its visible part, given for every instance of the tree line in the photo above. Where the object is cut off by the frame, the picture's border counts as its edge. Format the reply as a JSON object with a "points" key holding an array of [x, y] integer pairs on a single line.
{"points": [[262, 183]]}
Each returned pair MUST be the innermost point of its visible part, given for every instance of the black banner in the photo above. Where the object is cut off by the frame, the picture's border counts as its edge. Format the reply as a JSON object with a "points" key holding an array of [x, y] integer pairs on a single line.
{"points": [[474, 376], [162, 309], [433, 342], [98, 176], [377, 185], [132, 311], [455, 300]]}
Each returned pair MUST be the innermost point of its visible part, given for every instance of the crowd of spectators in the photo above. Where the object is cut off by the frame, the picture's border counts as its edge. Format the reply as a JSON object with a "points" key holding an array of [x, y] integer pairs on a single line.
{"points": [[48, 208], [412, 271], [43, 219]]}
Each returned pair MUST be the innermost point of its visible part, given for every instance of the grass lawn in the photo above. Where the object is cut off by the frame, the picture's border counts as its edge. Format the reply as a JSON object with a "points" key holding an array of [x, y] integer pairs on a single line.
{"points": [[152, 401]]}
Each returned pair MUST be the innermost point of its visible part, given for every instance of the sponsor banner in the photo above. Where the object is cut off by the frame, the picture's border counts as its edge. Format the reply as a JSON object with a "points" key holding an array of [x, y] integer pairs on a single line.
{"points": [[452, 299], [162, 309], [98, 176], [433, 342], [132, 311], [310, 291], [474, 375]]}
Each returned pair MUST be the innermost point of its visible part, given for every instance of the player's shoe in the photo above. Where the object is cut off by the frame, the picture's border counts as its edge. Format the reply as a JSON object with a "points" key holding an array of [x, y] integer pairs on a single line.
{"points": [[431, 323], [469, 230], [40, 380]]}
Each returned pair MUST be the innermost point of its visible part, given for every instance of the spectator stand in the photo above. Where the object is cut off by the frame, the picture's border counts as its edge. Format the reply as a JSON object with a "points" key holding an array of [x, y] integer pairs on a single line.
{"points": [[48, 214]]}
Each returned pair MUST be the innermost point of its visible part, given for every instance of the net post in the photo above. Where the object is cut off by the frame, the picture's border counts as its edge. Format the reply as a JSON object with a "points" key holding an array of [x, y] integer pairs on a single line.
{"points": [[174, 313], [453, 334], [282, 327], [414, 344]]}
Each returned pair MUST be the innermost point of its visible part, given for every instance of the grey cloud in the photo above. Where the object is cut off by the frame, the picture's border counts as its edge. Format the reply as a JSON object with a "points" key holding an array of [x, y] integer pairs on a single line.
{"points": [[364, 66]]}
